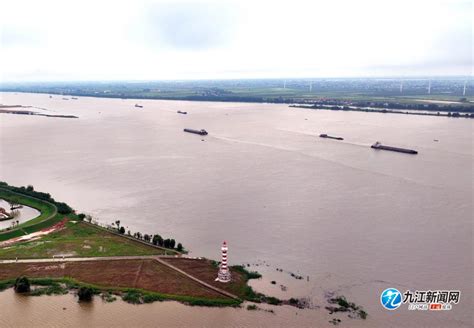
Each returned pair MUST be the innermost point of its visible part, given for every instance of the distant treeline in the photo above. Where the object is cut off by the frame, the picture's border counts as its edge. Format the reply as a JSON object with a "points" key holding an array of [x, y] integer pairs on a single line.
{"points": [[395, 105], [197, 97], [63, 208], [385, 110]]}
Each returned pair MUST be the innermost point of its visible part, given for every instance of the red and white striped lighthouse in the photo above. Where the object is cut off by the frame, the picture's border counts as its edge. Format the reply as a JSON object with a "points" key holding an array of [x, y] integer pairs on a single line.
{"points": [[224, 274]]}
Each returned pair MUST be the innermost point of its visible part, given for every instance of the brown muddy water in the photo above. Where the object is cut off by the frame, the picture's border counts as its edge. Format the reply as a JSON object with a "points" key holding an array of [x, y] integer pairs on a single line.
{"points": [[349, 219]]}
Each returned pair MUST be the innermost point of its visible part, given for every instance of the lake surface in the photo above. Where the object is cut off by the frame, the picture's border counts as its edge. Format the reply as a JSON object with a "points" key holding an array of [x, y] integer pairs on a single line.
{"points": [[349, 219]]}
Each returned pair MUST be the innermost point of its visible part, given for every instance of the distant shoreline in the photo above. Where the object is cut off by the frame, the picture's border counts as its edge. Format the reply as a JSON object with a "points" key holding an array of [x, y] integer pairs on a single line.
{"points": [[386, 111], [442, 109]]}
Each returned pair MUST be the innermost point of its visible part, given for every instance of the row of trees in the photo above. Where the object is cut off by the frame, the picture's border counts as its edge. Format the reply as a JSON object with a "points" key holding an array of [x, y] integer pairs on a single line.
{"points": [[29, 190], [155, 239]]}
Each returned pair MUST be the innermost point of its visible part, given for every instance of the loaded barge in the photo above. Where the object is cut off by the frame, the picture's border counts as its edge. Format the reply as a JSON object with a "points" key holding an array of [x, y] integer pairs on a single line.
{"points": [[201, 132], [378, 145], [324, 135]]}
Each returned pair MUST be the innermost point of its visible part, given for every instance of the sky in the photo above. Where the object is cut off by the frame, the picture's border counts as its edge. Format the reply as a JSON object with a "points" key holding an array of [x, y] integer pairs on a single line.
{"points": [[174, 40]]}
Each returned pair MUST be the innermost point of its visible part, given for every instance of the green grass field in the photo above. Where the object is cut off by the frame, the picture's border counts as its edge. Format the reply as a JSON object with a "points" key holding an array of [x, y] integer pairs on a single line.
{"points": [[81, 240]]}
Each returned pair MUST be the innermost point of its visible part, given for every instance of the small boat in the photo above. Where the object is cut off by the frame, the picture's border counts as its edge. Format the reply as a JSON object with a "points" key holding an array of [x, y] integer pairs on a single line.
{"points": [[201, 132], [74, 98], [324, 135], [378, 145], [65, 98], [138, 106], [181, 112]]}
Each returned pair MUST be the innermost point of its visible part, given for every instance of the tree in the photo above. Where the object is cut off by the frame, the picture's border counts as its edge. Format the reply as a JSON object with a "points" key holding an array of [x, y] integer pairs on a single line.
{"points": [[85, 294], [172, 243], [180, 247], [81, 216], [146, 237], [13, 205], [166, 243], [30, 188], [122, 230], [157, 240], [63, 208], [118, 224], [22, 285]]}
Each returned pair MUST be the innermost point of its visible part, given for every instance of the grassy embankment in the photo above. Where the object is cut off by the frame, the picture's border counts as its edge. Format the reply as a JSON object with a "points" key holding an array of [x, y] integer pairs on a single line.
{"points": [[48, 214], [79, 239]]}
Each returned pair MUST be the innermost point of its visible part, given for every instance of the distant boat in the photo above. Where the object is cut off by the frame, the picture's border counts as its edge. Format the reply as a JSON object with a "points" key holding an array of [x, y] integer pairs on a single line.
{"points": [[74, 98], [324, 135], [180, 112], [138, 106], [200, 132], [65, 98], [378, 145]]}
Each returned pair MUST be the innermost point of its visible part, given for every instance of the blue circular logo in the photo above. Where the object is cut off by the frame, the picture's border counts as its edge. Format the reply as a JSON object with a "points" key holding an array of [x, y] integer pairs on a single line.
{"points": [[391, 298]]}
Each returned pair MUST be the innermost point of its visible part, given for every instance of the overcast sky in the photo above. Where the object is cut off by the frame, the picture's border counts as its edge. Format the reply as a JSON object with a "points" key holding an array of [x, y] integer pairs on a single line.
{"points": [[156, 40]]}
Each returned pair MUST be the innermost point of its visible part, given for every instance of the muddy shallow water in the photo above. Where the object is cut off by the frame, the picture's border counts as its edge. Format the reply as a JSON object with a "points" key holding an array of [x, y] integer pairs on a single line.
{"points": [[349, 219]]}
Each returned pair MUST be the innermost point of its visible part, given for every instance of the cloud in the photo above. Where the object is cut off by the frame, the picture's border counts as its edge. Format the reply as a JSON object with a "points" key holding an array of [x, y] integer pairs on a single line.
{"points": [[10, 37], [181, 25], [164, 39]]}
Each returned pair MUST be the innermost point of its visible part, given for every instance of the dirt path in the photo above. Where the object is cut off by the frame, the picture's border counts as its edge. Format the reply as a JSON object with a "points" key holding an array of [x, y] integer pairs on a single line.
{"points": [[137, 276]]}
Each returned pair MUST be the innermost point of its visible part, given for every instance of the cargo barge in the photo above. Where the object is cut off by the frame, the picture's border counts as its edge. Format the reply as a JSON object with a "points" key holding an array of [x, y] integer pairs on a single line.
{"points": [[378, 145], [201, 132], [181, 112], [138, 106], [324, 135]]}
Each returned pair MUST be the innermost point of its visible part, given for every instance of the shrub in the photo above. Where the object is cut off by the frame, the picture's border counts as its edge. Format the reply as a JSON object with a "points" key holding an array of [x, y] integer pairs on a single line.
{"points": [[251, 307], [272, 300], [132, 297], [150, 298], [85, 294], [22, 285]]}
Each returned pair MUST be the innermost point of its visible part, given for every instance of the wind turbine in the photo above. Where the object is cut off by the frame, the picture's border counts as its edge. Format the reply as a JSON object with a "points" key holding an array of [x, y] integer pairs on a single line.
{"points": [[429, 87], [464, 89], [310, 86], [401, 86], [284, 84]]}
